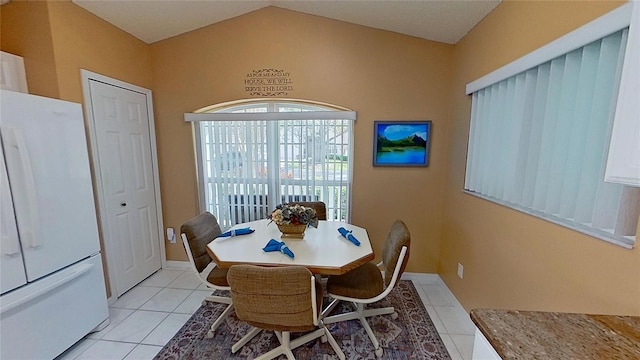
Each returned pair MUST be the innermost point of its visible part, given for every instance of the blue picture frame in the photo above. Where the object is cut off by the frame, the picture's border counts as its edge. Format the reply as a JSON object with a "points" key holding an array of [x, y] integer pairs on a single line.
{"points": [[401, 143]]}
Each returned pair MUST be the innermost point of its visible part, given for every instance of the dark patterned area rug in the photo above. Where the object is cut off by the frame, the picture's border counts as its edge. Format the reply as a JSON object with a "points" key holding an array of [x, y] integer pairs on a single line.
{"points": [[411, 336]]}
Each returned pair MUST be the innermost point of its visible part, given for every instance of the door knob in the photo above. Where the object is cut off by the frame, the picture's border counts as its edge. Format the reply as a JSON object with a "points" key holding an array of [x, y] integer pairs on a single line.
{"points": [[123, 204]]}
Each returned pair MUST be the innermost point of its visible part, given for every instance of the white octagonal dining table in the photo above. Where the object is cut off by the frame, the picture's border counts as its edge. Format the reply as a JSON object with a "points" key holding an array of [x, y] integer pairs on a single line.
{"points": [[322, 250]]}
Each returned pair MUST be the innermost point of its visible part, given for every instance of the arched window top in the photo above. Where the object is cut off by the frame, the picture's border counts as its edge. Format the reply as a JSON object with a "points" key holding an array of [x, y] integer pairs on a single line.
{"points": [[271, 109], [270, 105]]}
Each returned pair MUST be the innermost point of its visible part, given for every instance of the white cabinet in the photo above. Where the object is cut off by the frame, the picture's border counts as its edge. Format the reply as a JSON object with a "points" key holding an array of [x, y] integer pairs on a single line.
{"points": [[12, 74], [623, 164]]}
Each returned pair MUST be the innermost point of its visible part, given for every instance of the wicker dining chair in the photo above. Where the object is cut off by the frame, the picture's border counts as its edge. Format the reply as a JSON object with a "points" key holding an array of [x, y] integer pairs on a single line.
{"points": [[366, 284], [281, 299], [196, 233]]}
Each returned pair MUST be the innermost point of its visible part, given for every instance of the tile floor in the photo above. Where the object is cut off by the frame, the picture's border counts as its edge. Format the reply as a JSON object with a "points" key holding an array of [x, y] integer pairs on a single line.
{"points": [[147, 317]]}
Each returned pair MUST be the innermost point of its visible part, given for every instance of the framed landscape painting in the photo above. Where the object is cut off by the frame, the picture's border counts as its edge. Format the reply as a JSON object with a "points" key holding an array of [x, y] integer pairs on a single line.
{"points": [[401, 143]]}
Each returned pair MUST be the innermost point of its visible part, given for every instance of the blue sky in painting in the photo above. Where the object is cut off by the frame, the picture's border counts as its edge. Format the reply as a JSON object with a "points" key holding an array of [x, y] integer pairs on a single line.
{"points": [[396, 132]]}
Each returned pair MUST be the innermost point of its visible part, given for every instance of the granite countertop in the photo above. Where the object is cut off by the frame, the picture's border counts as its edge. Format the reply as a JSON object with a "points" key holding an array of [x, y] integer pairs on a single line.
{"points": [[551, 335]]}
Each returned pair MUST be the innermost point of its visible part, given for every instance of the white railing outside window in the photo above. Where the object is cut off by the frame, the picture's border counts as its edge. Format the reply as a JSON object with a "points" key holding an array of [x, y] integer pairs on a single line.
{"points": [[250, 163]]}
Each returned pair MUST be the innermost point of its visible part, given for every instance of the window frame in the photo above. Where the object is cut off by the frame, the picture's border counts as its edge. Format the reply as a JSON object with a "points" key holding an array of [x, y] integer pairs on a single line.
{"points": [[607, 24], [309, 110]]}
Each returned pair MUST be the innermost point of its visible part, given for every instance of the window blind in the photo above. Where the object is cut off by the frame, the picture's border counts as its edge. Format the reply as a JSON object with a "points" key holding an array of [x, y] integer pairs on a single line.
{"points": [[254, 156], [538, 141]]}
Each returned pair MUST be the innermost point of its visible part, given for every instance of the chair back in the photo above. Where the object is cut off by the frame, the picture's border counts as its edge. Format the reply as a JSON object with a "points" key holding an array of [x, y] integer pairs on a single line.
{"points": [[398, 237], [319, 206], [275, 298], [200, 231]]}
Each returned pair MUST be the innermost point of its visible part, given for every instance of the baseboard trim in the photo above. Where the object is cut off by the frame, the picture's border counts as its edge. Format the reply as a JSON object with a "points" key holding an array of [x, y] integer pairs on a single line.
{"points": [[422, 278], [178, 264]]}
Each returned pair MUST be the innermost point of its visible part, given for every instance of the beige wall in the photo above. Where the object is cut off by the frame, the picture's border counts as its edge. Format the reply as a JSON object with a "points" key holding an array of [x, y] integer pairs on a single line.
{"points": [[25, 31], [58, 38], [82, 40], [512, 260], [379, 74]]}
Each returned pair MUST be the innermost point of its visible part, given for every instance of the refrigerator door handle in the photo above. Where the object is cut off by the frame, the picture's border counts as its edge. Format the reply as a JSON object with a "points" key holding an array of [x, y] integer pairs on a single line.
{"points": [[76, 273], [15, 139]]}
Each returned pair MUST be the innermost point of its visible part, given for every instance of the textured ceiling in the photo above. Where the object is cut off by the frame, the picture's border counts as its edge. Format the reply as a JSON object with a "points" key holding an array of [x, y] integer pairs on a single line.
{"points": [[444, 21]]}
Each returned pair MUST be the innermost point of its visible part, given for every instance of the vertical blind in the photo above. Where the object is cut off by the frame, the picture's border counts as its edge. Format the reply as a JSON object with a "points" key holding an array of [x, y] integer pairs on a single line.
{"points": [[538, 140], [248, 166]]}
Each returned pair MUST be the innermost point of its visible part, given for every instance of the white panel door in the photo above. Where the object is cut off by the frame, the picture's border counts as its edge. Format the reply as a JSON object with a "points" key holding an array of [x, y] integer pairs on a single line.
{"points": [[12, 272], [124, 151]]}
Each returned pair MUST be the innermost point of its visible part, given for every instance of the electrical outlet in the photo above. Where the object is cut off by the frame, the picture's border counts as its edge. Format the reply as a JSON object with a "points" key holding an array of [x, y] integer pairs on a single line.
{"points": [[460, 270]]}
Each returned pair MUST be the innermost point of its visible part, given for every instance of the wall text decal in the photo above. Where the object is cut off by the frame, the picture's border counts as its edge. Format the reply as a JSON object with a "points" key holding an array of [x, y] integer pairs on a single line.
{"points": [[268, 82]]}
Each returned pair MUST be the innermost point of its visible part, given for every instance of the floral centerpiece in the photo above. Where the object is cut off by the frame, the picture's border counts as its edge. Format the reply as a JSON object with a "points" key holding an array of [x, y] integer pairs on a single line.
{"points": [[286, 214], [293, 220]]}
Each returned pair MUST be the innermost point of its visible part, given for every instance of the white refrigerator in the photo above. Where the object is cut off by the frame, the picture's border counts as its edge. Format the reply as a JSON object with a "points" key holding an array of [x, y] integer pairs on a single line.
{"points": [[51, 278]]}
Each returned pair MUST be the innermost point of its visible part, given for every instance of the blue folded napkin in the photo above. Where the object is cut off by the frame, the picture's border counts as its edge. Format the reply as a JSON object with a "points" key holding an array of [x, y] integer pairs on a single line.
{"points": [[235, 232], [348, 235], [275, 245]]}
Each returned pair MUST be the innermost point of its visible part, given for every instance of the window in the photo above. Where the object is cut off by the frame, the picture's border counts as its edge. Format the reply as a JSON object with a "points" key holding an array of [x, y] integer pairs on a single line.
{"points": [[255, 155], [539, 137]]}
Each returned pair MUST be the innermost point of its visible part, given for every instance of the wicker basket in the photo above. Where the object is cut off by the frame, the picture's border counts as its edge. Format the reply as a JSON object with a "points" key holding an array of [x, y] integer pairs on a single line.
{"points": [[292, 230]]}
